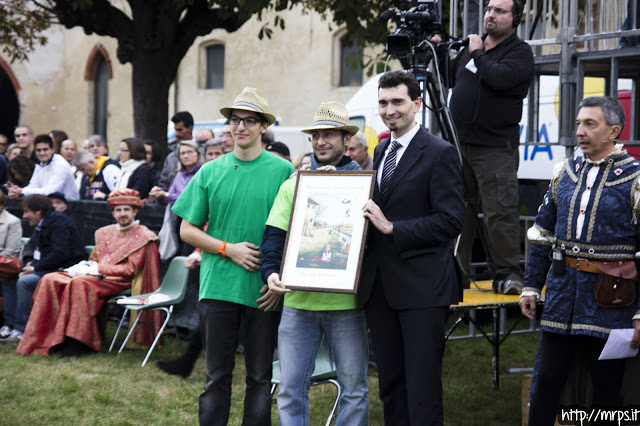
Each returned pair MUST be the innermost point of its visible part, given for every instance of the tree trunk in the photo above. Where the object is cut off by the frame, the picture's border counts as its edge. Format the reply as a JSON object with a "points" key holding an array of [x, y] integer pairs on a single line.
{"points": [[150, 87]]}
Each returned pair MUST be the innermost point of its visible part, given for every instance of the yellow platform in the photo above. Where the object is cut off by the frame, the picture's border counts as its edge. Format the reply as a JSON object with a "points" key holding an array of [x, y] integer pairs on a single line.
{"points": [[481, 293]]}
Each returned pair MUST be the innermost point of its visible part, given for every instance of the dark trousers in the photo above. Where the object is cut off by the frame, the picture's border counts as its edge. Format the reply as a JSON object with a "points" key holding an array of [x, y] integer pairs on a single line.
{"points": [[220, 325], [628, 25], [556, 355], [490, 177], [408, 347]]}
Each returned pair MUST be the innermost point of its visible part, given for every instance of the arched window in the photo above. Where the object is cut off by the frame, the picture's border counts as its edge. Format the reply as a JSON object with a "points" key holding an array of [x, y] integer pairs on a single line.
{"points": [[101, 97], [99, 70]]}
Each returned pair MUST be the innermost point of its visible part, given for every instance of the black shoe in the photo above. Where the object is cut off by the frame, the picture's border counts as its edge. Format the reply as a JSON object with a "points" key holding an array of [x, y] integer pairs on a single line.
{"points": [[72, 347], [512, 287], [508, 286], [178, 366]]}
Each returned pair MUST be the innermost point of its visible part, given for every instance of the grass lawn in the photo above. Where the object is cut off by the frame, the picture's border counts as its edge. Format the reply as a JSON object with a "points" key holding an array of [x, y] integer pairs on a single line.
{"points": [[110, 389]]}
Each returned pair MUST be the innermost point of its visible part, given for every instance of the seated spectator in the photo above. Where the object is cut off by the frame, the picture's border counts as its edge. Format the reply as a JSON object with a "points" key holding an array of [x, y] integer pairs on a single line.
{"points": [[23, 136], [152, 160], [68, 150], [99, 175], [183, 127], [20, 171], [55, 244], [358, 150], [279, 149], [58, 136], [58, 202], [302, 161], [213, 150], [98, 146], [133, 173], [189, 162], [226, 138], [52, 173], [13, 151], [202, 137], [109, 169], [66, 305], [10, 246]]}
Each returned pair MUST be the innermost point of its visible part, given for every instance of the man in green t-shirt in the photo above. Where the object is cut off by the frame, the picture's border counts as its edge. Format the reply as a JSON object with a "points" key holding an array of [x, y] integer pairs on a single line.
{"points": [[307, 317], [234, 194]]}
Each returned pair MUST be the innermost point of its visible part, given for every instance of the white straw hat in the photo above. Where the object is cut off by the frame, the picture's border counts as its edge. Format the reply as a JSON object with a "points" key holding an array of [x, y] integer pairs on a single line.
{"points": [[332, 115], [251, 99]]}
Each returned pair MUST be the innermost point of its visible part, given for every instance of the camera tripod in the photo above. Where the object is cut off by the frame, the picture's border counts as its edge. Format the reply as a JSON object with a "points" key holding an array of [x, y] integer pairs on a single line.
{"points": [[431, 84], [441, 123]]}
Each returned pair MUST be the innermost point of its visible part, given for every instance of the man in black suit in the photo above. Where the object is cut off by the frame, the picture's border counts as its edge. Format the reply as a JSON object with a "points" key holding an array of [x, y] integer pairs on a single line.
{"points": [[409, 275]]}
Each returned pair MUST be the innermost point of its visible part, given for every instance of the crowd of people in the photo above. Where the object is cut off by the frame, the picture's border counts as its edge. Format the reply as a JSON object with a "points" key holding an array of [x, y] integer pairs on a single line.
{"points": [[45, 172], [47, 163], [233, 192]]}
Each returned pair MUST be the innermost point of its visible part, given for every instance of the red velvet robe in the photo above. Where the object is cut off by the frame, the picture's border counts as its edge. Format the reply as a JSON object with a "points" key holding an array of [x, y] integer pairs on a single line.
{"points": [[69, 307]]}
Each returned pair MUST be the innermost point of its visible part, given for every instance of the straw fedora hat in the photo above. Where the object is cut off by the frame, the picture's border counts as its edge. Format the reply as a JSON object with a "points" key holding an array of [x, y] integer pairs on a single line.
{"points": [[332, 115], [251, 99]]}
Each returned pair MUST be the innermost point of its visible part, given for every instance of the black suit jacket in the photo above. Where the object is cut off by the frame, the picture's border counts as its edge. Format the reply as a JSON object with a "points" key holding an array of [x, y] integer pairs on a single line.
{"points": [[425, 202]]}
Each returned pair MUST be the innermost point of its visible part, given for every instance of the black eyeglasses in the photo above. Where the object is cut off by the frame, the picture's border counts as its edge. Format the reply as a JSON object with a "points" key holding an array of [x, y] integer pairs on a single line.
{"points": [[248, 121], [496, 10], [326, 135]]}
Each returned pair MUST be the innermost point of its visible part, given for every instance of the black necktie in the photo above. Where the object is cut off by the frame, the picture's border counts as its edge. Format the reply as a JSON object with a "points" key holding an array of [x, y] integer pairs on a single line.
{"points": [[389, 166]]}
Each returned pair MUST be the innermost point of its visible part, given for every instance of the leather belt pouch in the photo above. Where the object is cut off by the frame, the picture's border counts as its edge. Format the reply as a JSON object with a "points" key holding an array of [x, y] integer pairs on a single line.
{"points": [[616, 283]]}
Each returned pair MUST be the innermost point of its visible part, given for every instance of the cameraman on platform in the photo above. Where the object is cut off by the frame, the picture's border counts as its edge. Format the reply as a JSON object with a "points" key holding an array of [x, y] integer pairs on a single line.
{"points": [[491, 78]]}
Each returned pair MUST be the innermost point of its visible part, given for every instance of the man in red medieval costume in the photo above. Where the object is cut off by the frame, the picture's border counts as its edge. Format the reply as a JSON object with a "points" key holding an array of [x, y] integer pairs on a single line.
{"points": [[65, 316]]}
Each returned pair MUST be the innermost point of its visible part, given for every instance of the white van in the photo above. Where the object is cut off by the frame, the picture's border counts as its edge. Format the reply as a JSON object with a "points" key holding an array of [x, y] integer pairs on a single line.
{"points": [[536, 162]]}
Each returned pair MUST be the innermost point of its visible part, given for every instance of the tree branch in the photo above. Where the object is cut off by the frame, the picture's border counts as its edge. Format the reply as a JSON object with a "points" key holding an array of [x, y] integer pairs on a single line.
{"points": [[101, 18]]}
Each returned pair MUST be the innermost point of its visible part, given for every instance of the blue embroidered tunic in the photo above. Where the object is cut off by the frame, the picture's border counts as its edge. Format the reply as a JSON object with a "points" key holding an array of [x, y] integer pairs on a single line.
{"points": [[591, 216]]}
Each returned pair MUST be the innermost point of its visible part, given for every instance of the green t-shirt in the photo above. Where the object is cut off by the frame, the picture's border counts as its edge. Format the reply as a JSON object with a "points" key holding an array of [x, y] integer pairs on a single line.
{"points": [[306, 300], [235, 197]]}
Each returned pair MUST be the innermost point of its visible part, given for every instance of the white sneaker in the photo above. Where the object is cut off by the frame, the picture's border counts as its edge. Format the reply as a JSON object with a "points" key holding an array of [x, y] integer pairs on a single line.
{"points": [[14, 337], [5, 331]]}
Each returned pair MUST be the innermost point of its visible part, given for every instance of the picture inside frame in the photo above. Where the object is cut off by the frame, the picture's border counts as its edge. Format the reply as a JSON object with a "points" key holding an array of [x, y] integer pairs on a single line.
{"points": [[327, 231]]}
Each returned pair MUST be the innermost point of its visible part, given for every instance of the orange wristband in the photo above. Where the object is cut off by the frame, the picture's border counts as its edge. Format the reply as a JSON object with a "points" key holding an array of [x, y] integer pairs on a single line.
{"points": [[221, 251]]}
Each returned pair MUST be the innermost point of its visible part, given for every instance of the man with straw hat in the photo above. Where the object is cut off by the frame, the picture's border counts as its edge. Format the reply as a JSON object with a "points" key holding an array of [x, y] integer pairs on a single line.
{"points": [[234, 195], [308, 316]]}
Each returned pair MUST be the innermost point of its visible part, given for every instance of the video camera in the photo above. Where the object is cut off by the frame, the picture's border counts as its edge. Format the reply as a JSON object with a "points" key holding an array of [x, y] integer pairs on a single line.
{"points": [[416, 25]]}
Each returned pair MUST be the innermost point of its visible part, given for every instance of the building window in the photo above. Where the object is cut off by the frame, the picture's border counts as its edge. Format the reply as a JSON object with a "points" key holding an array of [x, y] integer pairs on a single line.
{"points": [[350, 64], [215, 66], [100, 96]]}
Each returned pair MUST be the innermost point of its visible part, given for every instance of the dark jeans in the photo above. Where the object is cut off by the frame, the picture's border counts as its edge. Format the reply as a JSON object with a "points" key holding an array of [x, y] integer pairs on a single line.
{"points": [[627, 25], [556, 355], [220, 324], [491, 178]]}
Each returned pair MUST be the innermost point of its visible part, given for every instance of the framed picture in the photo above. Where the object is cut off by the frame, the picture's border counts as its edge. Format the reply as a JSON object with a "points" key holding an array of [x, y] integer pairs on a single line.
{"points": [[327, 232]]}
